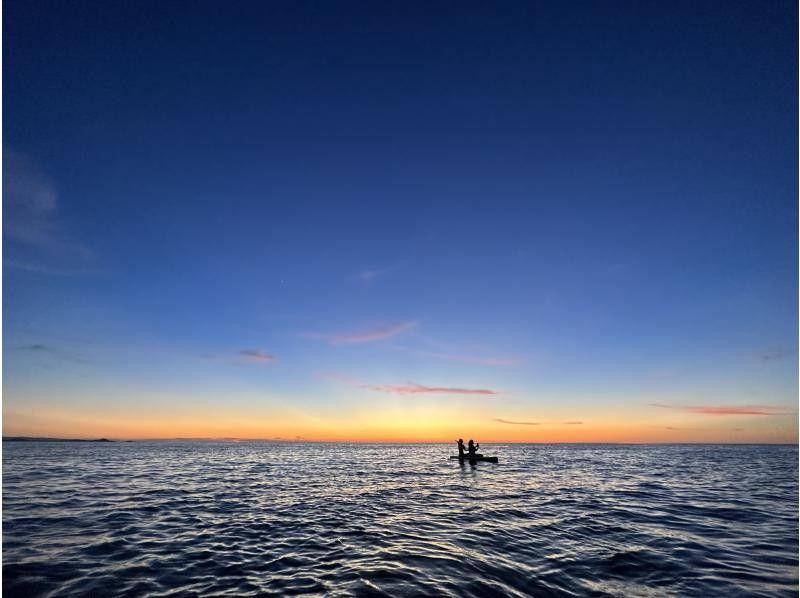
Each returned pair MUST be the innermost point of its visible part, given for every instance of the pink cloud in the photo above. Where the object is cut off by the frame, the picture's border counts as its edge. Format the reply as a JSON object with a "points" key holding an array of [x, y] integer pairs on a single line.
{"points": [[254, 356], [508, 421], [367, 335], [412, 389], [726, 409]]}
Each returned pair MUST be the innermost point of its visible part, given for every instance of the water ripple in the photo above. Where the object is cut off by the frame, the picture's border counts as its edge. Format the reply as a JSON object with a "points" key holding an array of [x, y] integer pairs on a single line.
{"points": [[251, 518]]}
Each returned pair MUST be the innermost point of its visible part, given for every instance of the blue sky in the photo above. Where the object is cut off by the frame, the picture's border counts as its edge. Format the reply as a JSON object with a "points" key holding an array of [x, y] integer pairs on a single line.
{"points": [[587, 210]]}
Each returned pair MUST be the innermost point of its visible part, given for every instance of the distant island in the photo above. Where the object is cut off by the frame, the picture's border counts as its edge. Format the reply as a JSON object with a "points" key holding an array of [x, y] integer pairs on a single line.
{"points": [[38, 439]]}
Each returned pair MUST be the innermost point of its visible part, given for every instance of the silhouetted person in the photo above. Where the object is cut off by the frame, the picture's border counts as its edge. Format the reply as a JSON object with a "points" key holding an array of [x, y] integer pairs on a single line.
{"points": [[472, 448], [460, 442]]}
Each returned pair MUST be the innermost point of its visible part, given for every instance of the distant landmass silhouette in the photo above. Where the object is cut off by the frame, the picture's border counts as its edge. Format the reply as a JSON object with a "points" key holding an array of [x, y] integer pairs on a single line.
{"points": [[42, 439]]}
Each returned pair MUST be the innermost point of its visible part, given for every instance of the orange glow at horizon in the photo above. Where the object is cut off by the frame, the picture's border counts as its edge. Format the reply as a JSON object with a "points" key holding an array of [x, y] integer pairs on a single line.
{"points": [[394, 427]]}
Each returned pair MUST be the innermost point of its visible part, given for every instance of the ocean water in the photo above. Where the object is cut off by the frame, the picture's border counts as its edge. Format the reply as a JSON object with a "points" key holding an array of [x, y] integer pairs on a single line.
{"points": [[254, 518]]}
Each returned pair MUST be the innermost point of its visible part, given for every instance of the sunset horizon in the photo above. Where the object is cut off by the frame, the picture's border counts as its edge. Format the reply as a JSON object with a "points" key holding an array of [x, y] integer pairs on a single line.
{"points": [[469, 253], [728, 431], [482, 391], [399, 299]]}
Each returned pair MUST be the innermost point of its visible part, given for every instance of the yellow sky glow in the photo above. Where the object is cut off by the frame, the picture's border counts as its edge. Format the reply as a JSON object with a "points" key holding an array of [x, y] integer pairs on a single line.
{"points": [[420, 423]]}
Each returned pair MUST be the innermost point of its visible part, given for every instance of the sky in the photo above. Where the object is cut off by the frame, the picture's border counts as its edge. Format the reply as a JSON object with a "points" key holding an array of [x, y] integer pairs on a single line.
{"points": [[408, 221]]}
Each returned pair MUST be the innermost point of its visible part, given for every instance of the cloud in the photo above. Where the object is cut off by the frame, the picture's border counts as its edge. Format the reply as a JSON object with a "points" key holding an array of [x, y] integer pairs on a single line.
{"points": [[465, 354], [726, 409], [338, 378], [404, 389], [29, 266], [517, 423], [39, 240], [245, 356], [30, 201], [675, 429], [508, 421], [474, 359], [52, 353], [773, 354], [412, 389], [35, 348], [368, 335], [254, 356], [367, 276]]}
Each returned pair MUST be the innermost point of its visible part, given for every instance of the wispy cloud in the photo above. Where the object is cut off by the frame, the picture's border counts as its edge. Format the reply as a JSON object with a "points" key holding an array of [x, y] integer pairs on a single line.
{"points": [[40, 242], [464, 358], [522, 423], [243, 357], [774, 354], [38, 348], [515, 423], [52, 353], [368, 275], [464, 354], [338, 378], [726, 409], [367, 335], [676, 428], [29, 266], [254, 356], [404, 389], [30, 202], [412, 389]]}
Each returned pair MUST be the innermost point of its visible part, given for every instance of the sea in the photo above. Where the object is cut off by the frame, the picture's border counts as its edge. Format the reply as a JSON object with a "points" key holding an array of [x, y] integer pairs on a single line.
{"points": [[270, 518]]}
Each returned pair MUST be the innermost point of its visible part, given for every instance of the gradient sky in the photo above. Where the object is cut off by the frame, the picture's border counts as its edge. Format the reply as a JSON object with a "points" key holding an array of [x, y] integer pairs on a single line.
{"points": [[536, 221]]}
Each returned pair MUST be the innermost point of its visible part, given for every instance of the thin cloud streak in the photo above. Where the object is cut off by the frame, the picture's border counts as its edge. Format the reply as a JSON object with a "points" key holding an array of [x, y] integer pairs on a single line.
{"points": [[35, 348], [368, 275], [243, 357], [30, 203], [508, 421], [338, 378], [459, 352], [52, 353], [32, 223], [774, 354], [44, 269], [413, 389], [254, 356], [726, 409], [404, 389], [368, 335], [675, 429], [474, 359]]}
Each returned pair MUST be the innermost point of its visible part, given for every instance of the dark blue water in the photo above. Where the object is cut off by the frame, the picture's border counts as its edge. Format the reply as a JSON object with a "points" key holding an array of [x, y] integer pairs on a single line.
{"points": [[251, 518]]}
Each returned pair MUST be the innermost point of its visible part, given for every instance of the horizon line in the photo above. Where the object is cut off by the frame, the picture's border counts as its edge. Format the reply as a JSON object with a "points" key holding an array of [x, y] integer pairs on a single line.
{"points": [[309, 441]]}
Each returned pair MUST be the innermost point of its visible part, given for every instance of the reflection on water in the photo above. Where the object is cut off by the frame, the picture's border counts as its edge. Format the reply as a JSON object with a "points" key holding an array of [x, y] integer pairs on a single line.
{"points": [[247, 518]]}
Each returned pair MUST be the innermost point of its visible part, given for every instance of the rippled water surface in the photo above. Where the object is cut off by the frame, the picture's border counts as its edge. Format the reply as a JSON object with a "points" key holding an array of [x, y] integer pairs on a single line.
{"points": [[252, 518]]}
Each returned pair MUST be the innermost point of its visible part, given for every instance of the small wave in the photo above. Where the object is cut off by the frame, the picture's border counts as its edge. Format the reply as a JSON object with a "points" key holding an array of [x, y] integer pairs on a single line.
{"points": [[254, 518]]}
